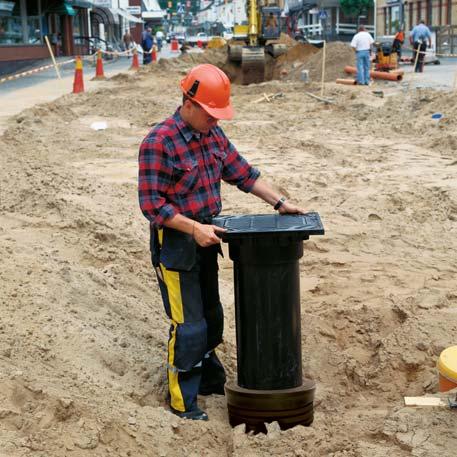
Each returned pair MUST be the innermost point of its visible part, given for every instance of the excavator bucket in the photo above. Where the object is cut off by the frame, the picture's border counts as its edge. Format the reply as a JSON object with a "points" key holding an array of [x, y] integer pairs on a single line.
{"points": [[253, 65]]}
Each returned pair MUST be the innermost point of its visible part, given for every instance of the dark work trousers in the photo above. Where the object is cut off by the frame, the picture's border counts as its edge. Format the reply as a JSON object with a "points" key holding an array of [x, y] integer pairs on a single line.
{"points": [[190, 293], [421, 47]]}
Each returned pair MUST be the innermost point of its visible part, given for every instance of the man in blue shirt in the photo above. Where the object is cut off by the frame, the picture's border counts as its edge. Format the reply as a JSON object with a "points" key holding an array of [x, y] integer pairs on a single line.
{"points": [[419, 36]]}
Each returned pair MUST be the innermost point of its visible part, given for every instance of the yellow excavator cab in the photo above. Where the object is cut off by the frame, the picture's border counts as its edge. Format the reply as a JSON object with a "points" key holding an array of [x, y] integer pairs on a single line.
{"points": [[250, 41]]}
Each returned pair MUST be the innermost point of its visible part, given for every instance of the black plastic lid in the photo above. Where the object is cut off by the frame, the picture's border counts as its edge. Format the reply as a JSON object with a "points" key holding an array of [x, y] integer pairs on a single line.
{"points": [[252, 225]]}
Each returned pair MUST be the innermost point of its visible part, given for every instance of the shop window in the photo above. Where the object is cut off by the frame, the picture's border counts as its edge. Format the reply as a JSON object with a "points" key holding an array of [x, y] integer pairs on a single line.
{"points": [[34, 32], [10, 22], [394, 20], [78, 23], [20, 24]]}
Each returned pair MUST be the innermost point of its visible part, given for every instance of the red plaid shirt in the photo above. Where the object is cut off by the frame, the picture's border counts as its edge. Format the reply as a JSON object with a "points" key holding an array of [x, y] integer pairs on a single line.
{"points": [[180, 171]]}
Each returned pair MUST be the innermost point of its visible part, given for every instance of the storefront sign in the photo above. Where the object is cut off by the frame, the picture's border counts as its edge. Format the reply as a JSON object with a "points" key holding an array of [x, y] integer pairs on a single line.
{"points": [[103, 3], [134, 9], [6, 6]]}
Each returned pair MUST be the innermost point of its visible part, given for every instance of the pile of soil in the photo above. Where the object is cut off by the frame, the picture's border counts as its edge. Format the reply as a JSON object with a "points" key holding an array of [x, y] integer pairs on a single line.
{"points": [[83, 331], [338, 55]]}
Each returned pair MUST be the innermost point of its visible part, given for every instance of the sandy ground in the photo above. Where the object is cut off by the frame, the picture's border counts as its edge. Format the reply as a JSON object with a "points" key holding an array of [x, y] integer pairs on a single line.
{"points": [[82, 331]]}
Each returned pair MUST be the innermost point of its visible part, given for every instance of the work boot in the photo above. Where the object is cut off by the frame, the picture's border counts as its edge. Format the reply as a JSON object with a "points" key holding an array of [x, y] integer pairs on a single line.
{"points": [[213, 376], [195, 415], [217, 389]]}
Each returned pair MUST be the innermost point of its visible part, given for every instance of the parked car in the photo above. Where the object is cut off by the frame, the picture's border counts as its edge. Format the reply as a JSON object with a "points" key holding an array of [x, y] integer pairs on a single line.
{"points": [[200, 37], [180, 36]]}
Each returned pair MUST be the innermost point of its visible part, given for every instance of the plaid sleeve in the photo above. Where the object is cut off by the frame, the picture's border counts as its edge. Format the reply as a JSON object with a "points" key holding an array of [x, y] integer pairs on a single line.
{"points": [[237, 170], [154, 178]]}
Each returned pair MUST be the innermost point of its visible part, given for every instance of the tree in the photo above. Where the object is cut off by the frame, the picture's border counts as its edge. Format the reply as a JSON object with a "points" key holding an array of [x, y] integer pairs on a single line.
{"points": [[354, 8]]}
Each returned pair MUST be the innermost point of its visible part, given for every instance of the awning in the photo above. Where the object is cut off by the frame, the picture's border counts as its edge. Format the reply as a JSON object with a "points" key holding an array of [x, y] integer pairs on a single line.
{"points": [[126, 15], [63, 9], [153, 14], [105, 16], [81, 3]]}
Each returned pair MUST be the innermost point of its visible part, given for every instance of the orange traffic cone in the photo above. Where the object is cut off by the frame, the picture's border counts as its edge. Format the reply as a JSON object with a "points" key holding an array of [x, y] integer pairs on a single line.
{"points": [[135, 63], [99, 68], [154, 54], [78, 83]]}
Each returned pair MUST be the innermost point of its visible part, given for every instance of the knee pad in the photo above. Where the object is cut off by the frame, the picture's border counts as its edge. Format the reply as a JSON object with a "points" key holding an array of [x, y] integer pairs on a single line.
{"points": [[190, 344]]}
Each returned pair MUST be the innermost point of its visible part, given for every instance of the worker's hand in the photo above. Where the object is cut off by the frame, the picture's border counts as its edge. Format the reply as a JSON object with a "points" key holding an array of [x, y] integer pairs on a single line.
{"points": [[290, 208], [206, 235]]}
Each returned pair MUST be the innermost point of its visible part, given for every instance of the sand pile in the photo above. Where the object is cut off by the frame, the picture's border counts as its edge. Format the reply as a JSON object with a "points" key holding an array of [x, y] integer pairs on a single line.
{"points": [[83, 333], [338, 55]]}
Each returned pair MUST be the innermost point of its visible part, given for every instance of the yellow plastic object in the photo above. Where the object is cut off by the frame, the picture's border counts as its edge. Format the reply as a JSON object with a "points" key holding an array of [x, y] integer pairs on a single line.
{"points": [[216, 42], [447, 363], [447, 367]]}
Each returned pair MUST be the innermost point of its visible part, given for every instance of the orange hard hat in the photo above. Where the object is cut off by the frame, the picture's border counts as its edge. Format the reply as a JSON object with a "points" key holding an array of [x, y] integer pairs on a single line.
{"points": [[209, 86]]}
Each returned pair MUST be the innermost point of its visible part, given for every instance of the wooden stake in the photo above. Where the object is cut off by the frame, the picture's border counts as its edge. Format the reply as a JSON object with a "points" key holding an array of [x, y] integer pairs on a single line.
{"points": [[52, 56], [424, 401], [417, 57], [323, 69], [325, 100]]}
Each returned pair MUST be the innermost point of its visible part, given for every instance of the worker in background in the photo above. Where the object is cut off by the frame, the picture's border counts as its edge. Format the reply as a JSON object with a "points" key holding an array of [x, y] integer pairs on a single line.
{"points": [[419, 37], [399, 39], [128, 41], [147, 41], [271, 24], [361, 43], [182, 162], [159, 39]]}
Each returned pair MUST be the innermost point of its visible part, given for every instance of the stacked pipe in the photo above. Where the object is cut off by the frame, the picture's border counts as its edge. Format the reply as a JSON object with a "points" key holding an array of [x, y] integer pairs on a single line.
{"points": [[391, 76]]}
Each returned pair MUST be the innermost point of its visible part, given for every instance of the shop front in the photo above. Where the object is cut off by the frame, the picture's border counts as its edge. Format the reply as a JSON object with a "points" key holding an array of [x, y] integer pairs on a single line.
{"points": [[25, 23]]}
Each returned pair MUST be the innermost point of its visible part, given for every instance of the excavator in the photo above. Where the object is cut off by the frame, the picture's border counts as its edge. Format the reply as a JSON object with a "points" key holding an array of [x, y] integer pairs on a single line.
{"points": [[253, 40]]}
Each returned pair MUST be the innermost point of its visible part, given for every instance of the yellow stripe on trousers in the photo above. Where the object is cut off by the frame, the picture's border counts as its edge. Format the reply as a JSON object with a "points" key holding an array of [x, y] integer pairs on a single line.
{"points": [[177, 400], [173, 284]]}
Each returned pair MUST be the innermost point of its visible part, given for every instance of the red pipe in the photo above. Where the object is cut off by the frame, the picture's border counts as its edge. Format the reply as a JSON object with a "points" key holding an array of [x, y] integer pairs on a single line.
{"points": [[377, 74], [349, 82]]}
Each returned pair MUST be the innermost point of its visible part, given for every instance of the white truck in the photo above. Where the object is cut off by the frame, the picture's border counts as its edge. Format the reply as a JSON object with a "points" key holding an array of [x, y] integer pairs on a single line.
{"points": [[201, 37]]}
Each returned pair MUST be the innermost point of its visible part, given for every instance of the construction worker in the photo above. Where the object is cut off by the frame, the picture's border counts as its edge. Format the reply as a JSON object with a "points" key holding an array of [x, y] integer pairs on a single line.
{"points": [[399, 39], [361, 43], [182, 161], [419, 37]]}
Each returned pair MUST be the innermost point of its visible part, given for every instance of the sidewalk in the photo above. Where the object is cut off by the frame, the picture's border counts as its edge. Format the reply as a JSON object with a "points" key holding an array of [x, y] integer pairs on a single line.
{"points": [[22, 93]]}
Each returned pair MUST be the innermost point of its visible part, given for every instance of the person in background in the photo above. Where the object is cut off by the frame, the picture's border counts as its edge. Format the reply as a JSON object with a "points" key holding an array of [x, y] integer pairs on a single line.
{"points": [[147, 42], [182, 162], [128, 41], [399, 39], [159, 39], [361, 43], [419, 37]]}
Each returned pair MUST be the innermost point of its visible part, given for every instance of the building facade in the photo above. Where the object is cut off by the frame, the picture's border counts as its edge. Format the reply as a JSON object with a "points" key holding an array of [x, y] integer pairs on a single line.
{"points": [[392, 14], [71, 26]]}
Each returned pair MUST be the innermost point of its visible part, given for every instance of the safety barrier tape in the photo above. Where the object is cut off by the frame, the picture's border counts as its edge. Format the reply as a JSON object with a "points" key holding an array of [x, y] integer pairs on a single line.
{"points": [[87, 57], [47, 67], [34, 70], [431, 53]]}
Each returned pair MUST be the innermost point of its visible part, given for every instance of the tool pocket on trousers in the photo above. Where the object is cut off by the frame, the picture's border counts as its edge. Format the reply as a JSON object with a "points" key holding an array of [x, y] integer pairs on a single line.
{"points": [[178, 251], [190, 345], [185, 176]]}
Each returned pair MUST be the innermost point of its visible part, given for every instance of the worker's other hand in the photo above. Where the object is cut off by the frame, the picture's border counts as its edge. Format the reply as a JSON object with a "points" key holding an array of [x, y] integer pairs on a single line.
{"points": [[206, 235], [290, 208]]}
